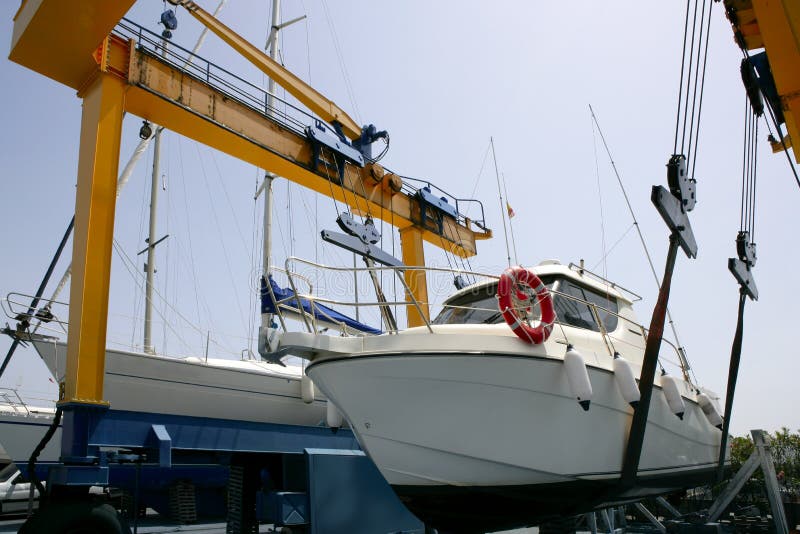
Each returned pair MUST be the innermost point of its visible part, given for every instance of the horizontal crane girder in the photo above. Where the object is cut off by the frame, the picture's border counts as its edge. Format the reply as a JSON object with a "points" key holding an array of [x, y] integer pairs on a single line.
{"points": [[165, 94], [319, 104]]}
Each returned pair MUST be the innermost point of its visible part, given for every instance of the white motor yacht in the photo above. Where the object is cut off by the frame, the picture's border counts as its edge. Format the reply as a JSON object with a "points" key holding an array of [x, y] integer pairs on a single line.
{"points": [[478, 429]]}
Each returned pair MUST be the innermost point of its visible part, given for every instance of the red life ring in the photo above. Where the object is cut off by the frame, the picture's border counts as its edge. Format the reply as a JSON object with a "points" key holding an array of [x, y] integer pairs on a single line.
{"points": [[514, 281]]}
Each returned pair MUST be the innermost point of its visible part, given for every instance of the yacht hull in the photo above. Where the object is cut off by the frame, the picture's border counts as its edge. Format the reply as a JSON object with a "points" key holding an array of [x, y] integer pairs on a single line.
{"points": [[483, 441], [218, 389], [22, 429]]}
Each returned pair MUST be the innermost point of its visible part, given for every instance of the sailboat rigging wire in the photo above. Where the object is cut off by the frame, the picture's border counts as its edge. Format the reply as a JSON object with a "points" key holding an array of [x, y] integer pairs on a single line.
{"points": [[478, 177], [222, 240], [127, 262], [599, 199], [510, 222], [686, 368], [500, 195], [253, 300], [612, 247], [342, 65], [233, 210], [192, 265]]}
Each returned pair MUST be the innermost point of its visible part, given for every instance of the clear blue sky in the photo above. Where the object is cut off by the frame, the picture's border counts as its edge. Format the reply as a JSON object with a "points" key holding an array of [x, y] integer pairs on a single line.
{"points": [[443, 77]]}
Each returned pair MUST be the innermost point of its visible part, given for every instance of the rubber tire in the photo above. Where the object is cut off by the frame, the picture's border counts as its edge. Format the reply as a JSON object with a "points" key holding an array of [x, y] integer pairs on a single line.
{"points": [[75, 518]]}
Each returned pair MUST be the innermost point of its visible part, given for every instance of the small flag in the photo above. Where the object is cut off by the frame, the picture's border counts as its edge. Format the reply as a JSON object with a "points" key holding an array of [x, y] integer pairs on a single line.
{"points": [[510, 210]]}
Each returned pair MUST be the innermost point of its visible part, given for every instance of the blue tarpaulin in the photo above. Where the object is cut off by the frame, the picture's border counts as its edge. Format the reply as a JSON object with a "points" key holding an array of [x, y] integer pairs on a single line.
{"points": [[287, 302]]}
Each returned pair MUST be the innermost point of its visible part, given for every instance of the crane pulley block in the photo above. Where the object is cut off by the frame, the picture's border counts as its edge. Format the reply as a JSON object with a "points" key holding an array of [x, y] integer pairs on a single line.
{"points": [[432, 209], [745, 249], [339, 150], [680, 185]]}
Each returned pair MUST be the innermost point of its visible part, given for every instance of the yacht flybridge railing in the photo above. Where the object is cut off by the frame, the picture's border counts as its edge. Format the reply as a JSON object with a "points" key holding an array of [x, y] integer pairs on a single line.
{"points": [[605, 281], [318, 304]]}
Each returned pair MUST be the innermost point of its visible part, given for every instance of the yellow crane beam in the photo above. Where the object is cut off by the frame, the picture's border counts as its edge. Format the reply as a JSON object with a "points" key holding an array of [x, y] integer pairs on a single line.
{"points": [[187, 105], [775, 26], [316, 102], [57, 38]]}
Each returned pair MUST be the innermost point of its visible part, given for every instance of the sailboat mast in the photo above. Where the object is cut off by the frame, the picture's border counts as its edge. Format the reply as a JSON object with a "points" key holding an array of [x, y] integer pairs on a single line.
{"points": [[266, 318], [150, 266]]}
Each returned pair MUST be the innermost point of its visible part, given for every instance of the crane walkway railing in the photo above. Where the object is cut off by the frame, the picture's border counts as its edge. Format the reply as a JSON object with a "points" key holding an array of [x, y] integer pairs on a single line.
{"points": [[270, 106]]}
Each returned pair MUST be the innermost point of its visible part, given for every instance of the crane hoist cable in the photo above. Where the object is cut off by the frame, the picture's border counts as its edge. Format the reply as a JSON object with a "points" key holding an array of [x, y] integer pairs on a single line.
{"points": [[692, 81], [746, 251]]}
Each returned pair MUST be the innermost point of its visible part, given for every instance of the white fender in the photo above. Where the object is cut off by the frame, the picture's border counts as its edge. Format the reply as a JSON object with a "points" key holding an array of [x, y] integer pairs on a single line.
{"points": [[626, 382], [333, 416], [673, 395], [578, 377], [307, 389], [710, 410]]}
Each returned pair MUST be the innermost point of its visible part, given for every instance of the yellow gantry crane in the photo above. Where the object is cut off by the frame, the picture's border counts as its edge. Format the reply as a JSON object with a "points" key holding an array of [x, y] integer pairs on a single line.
{"points": [[114, 76], [774, 25]]}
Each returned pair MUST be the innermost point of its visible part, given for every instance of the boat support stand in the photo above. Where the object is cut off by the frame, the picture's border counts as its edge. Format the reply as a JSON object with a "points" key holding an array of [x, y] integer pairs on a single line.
{"points": [[761, 457]]}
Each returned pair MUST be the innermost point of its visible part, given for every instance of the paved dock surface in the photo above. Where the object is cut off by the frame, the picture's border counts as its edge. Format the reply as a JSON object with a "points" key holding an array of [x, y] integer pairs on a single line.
{"points": [[150, 525]]}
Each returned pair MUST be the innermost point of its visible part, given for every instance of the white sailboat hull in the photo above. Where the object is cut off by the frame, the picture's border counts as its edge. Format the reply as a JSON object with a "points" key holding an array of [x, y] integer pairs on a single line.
{"points": [[22, 428], [220, 389]]}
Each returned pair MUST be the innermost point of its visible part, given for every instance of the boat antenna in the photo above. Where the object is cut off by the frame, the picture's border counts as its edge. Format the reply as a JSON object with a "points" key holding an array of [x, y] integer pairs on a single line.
{"points": [[510, 213], [685, 367], [502, 206]]}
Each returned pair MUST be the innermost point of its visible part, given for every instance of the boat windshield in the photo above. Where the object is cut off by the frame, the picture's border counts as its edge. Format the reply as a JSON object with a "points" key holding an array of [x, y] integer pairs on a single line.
{"points": [[479, 306], [573, 306]]}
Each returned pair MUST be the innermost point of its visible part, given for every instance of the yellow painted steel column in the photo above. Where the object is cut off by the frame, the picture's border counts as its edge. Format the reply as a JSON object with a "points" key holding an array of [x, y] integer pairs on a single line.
{"points": [[413, 255], [98, 162], [779, 24]]}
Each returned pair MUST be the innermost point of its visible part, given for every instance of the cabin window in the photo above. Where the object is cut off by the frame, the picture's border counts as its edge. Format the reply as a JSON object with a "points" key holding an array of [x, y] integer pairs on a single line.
{"points": [[478, 307], [576, 311]]}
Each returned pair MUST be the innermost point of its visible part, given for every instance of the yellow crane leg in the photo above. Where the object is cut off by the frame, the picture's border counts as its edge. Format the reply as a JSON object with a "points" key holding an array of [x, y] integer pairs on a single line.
{"points": [[414, 254], [98, 162], [779, 23]]}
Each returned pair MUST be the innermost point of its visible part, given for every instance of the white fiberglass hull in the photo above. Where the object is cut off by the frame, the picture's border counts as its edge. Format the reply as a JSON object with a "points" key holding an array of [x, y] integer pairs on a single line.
{"points": [[444, 428], [22, 429], [220, 389]]}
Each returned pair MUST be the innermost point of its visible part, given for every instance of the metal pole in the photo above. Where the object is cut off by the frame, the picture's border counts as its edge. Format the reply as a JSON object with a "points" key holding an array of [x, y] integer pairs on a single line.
{"points": [[733, 373], [151, 248], [502, 208], [266, 318], [633, 452]]}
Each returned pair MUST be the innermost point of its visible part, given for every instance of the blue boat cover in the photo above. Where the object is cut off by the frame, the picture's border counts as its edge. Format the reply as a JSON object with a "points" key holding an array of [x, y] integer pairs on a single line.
{"points": [[285, 296]]}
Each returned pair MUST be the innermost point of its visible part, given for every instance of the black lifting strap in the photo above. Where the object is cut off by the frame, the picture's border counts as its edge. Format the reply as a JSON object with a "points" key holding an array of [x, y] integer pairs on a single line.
{"points": [[733, 373]]}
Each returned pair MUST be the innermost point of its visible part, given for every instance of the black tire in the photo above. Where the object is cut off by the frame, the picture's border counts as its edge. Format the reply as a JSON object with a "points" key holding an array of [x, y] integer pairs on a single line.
{"points": [[75, 518]]}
